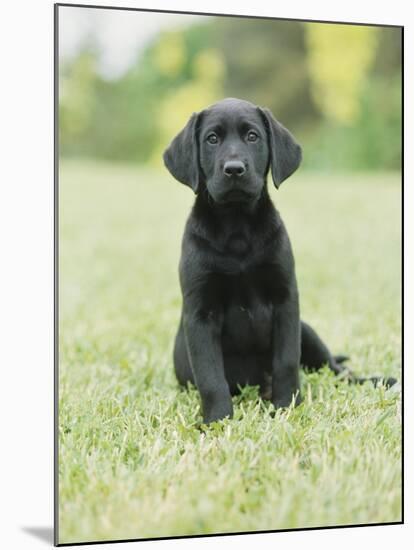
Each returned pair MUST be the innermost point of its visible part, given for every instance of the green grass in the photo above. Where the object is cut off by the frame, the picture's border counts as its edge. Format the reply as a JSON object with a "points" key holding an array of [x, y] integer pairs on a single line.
{"points": [[133, 461]]}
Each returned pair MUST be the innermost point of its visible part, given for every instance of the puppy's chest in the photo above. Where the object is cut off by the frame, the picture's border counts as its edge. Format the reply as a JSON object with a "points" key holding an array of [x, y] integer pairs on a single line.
{"points": [[238, 244], [244, 283], [247, 315]]}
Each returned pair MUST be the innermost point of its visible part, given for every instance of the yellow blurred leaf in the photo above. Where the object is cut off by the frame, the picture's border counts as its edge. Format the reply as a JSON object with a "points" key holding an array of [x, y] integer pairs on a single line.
{"points": [[339, 57], [169, 54]]}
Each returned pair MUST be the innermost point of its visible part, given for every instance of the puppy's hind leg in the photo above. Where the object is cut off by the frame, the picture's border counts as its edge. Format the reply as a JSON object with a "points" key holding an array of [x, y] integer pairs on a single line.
{"points": [[315, 354]]}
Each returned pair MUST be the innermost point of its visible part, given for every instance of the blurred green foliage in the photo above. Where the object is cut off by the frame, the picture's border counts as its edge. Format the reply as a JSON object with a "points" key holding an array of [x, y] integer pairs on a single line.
{"points": [[337, 87]]}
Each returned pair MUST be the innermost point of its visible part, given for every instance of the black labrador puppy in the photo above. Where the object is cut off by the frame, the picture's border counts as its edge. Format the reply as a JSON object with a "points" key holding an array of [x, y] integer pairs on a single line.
{"points": [[240, 319]]}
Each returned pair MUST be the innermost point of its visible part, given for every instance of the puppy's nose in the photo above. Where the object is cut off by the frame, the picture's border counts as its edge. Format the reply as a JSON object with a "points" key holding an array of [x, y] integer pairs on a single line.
{"points": [[234, 168]]}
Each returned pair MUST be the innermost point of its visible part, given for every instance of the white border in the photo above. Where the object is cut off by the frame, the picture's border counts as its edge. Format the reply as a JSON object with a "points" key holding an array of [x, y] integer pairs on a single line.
{"points": [[26, 289]]}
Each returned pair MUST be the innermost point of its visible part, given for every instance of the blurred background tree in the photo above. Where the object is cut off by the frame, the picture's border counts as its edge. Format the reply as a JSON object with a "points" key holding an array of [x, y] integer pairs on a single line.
{"points": [[337, 87]]}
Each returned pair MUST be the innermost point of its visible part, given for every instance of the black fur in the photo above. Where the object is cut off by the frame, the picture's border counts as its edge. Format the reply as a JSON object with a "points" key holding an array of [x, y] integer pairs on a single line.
{"points": [[240, 318]]}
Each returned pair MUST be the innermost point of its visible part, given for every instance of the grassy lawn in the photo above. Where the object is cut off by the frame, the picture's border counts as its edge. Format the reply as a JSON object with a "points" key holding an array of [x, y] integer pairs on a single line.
{"points": [[133, 462]]}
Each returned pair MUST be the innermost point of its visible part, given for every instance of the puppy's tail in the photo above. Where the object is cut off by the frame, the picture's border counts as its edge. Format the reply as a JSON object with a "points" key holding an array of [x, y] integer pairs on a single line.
{"points": [[341, 358], [343, 371]]}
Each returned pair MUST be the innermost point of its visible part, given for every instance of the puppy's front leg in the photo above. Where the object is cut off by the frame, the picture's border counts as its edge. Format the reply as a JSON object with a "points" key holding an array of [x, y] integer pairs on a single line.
{"points": [[202, 337], [286, 353]]}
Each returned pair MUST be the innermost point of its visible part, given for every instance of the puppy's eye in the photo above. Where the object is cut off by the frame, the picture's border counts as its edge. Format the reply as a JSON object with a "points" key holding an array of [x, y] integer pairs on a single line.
{"points": [[252, 136], [212, 139]]}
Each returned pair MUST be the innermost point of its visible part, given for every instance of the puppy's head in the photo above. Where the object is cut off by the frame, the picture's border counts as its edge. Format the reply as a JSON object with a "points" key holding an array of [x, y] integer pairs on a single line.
{"points": [[229, 148]]}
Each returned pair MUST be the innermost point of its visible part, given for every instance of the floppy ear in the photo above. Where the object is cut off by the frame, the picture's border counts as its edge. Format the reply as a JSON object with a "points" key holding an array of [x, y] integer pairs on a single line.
{"points": [[285, 152], [181, 157]]}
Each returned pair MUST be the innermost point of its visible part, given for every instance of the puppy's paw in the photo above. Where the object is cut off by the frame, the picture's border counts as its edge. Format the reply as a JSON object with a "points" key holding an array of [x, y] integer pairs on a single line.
{"points": [[225, 410], [286, 401]]}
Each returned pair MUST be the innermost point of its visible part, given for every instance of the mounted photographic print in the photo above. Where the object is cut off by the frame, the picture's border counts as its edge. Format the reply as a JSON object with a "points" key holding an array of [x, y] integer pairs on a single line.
{"points": [[228, 274]]}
